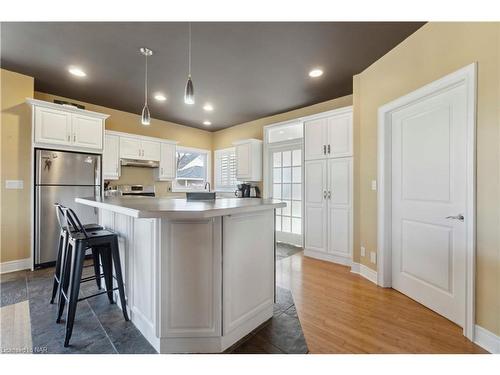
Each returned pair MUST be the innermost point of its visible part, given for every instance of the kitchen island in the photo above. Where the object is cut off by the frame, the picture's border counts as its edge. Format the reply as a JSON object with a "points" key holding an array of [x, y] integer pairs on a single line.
{"points": [[199, 275]]}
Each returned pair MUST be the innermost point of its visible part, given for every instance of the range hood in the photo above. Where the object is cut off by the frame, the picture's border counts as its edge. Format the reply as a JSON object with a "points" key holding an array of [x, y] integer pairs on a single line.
{"points": [[140, 163]]}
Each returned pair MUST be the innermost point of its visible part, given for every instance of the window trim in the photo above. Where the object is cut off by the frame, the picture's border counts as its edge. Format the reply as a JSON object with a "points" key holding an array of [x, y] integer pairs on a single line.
{"points": [[216, 170], [208, 169]]}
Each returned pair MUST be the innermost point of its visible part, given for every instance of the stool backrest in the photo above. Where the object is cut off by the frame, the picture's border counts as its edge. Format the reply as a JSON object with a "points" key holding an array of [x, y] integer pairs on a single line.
{"points": [[61, 219], [74, 222]]}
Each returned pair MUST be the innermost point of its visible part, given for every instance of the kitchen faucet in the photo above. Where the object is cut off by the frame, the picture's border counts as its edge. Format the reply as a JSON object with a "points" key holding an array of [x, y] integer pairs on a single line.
{"points": [[207, 183]]}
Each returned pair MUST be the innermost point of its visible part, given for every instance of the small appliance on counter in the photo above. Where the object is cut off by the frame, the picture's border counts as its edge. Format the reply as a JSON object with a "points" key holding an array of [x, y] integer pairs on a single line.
{"points": [[247, 191], [137, 190]]}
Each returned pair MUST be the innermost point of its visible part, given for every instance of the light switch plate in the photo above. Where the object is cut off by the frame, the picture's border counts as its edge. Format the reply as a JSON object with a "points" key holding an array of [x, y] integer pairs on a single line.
{"points": [[374, 185], [14, 184], [373, 257], [363, 251]]}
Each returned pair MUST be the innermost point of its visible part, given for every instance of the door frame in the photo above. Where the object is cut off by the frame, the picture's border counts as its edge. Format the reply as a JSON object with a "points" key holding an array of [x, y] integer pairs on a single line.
{"points": [[465, 76]]}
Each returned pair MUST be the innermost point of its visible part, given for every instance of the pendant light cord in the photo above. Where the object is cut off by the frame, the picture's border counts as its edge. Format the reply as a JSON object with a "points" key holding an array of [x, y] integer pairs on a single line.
{"points": [[189, 54], [146, 83]]}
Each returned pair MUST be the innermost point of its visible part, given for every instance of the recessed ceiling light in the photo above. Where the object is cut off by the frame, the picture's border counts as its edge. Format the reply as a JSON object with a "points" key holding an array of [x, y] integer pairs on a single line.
{"points": [[160, 97], [76, 71], [206, 122], [208, 107], [315, 73]]}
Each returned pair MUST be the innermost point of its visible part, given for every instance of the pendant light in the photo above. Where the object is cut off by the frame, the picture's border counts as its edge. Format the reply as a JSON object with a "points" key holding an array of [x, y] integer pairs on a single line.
{"points": [[189, 94], [146, 117]]}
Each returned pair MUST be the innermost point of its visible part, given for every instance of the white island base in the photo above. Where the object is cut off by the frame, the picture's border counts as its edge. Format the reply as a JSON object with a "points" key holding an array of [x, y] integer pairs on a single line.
{"points": [[195, 285]]}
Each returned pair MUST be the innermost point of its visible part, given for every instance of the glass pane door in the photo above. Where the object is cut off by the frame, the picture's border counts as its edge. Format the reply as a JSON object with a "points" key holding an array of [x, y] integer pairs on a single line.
{"points": [[287, 187]]}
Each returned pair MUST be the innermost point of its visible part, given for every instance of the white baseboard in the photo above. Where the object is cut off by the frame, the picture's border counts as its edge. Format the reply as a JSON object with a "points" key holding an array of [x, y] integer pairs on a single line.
{"points": [[15, 265], [345, 261], [487, 340], [364, 271]]}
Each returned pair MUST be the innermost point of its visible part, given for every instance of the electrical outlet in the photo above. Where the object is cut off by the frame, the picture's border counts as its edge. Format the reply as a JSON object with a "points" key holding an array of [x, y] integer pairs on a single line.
{"points": [[374, 185], [14, 184], [373, 257], [363, 251]]}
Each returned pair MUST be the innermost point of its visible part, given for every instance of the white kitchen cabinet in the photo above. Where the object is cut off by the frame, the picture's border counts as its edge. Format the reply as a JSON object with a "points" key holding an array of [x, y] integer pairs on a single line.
{"points": [[87, 131], [329, 136], [248, 160], [167, 169], [111, 157], [328, 209], [139, 149], [66, 128]]}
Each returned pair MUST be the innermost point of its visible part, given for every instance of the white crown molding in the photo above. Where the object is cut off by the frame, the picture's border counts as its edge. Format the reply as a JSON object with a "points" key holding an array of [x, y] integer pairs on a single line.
{"points": [[364, 271], [15, 265], [487, 340], [65, 108]]}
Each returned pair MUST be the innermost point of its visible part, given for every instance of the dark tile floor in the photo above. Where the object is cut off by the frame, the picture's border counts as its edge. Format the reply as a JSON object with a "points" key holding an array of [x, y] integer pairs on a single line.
{"points": [[100, 327]]}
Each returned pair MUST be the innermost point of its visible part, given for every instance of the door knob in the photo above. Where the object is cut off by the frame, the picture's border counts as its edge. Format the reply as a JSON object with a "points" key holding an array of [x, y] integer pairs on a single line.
{"points": [[459, 217]]}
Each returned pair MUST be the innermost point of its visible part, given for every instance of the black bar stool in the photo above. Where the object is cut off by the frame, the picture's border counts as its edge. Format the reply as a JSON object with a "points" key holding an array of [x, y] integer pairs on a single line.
{"points": [[79, 240], [63, 225]]}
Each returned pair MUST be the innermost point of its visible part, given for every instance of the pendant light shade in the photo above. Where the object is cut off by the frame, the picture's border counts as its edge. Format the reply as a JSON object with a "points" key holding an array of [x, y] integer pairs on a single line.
{"points": [[189, 93], [146, 116]]}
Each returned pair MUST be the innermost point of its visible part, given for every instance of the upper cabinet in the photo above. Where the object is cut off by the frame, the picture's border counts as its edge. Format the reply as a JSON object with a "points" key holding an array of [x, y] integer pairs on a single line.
{"points": [[133, 147], [67, 128], [111, 157], [248, 160], [167, 168], [329, 136]]}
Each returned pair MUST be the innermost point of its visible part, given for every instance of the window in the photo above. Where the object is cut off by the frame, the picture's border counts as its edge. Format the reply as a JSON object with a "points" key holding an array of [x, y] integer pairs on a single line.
{"points": [[192, 169], [225, 169]]}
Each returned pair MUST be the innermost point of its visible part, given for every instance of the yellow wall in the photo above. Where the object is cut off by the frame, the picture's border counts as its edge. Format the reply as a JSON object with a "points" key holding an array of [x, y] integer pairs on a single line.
{"points": [[433, 51], [15, 156]]}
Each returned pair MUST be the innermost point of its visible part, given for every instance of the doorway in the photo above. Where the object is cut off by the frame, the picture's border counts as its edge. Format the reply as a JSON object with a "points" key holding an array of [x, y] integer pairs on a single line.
{"points": [[426, 201]]}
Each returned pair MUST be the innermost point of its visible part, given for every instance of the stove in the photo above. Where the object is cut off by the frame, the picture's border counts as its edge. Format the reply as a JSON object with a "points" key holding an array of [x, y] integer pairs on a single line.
{"points": [[137, 190]]}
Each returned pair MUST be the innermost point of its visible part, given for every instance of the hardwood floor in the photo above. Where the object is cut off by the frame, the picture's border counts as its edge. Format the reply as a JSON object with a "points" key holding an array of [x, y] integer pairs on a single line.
{"points": [[341, 312]]}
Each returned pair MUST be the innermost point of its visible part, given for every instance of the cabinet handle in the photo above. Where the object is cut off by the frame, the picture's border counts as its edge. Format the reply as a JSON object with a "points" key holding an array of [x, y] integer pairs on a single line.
{"points": [[324, 194], [162, 171], [329, 194], [117, 169], [324, 149], [328, 148], [69, 137], [74, 137]]}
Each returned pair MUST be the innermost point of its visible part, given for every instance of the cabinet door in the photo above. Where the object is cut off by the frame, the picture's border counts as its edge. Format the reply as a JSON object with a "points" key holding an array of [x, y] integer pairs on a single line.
{"points": [[315, 205], [340, 135], [150, 150], [315, 139], [339, 206], [87, 131], [243, 161], [52, 126], [111, 157], [167, 162], [130, 148]]}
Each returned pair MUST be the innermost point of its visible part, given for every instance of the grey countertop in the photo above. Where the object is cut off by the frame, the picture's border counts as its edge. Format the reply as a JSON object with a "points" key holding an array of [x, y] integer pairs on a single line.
{"points": [[148, 207]]}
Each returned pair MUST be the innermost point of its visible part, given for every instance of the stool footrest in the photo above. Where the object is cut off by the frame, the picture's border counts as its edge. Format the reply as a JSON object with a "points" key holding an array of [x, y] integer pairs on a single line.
{"points": [[95, 295]]}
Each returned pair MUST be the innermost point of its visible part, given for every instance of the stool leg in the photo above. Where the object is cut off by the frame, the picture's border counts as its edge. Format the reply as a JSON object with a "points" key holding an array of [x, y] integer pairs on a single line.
{"points": [[64, 279], [79, 258], [107, 267], [57, 273], [97, 267], [115, 252]]}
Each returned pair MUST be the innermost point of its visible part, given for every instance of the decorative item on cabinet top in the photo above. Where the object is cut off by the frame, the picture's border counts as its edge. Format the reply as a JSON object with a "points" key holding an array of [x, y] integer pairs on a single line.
{"points": [[122, 149], [66, 127]]}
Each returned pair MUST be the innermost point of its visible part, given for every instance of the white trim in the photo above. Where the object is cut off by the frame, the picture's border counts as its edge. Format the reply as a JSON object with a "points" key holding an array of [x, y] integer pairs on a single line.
{"points": [[66, 108], [208, 176], [139, 136], [15, 265], [343, 261], [487, 340], [466, 76], [364, 271]]}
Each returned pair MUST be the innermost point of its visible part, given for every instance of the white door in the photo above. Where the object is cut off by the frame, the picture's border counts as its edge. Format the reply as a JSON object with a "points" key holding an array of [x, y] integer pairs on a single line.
{"points": [[340, 135], [167, 161], [316, 213], [87, 131], [130, 148], [243, 160], [286, 182], [150, 150], [428, 189], [340, 207], [110, 157], [315, 139], [52, 126]]}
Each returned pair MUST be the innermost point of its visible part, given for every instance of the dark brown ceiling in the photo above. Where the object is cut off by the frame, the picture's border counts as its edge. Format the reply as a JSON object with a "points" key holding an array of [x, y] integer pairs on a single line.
{"points": [[246, 70]]}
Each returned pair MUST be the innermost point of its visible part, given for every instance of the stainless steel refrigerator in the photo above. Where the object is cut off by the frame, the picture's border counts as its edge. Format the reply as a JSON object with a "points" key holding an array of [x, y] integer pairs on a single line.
{"points": [[61, 177]]}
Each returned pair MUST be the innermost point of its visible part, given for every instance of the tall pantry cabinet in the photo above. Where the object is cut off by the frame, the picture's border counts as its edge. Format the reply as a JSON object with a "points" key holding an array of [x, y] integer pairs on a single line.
{"points": [[328, 180]]}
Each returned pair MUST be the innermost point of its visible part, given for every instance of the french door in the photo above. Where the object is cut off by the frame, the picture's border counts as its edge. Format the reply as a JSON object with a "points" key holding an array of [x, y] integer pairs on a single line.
{"points": [[286, 185]]}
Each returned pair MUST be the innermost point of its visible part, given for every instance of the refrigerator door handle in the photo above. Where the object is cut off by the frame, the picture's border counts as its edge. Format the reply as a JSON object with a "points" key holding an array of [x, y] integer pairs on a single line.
{"points": [[38, 221]]}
